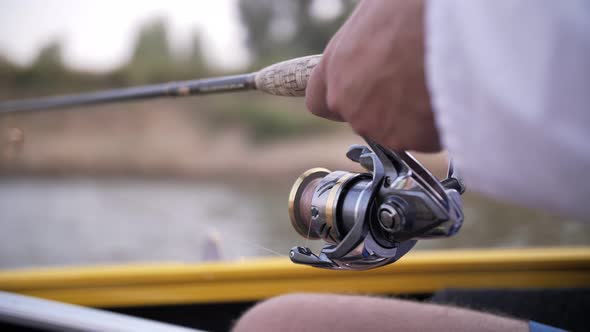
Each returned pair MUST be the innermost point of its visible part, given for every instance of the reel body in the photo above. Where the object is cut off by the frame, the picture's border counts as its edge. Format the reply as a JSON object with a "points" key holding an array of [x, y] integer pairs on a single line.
{"points": [[372, 219]]}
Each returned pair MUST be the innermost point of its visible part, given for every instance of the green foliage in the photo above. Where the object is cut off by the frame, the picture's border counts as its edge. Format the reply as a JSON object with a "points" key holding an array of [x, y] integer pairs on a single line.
{"points": [[263, 19], [152, 61], [46, 69], [267, 119], [257, 18]]}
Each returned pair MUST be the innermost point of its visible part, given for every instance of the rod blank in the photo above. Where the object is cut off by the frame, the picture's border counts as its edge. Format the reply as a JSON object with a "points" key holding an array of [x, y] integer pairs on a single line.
{"points": [[171, 89], [287, 78]]}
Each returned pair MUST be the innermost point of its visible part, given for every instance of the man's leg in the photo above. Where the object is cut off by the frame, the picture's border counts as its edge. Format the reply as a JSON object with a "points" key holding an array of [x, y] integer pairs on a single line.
{"points": [[323, 312]]}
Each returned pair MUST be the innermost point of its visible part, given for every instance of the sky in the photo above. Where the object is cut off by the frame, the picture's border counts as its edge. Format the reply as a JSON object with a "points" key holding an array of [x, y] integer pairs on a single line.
{"points": [[99, 35]]}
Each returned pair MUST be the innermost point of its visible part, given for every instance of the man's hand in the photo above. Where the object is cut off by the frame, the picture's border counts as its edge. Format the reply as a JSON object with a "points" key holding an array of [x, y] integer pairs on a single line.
{"points": [[372, 76]]}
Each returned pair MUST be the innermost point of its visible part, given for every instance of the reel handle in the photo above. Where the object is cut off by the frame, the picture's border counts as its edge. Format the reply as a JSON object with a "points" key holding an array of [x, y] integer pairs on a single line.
{"points": [[288, 78]]}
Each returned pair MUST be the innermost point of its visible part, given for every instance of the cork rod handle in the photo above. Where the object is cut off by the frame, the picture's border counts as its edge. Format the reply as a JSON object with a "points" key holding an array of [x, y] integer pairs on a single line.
{"points": [[287, 78]]}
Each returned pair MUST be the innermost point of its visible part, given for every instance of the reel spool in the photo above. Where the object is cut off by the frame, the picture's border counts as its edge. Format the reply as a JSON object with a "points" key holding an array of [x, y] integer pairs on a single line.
{"points": [[372, 219]]}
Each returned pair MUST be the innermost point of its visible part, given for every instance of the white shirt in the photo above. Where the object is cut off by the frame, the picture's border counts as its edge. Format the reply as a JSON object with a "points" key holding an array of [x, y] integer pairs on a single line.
{"points": [[510, 85]]}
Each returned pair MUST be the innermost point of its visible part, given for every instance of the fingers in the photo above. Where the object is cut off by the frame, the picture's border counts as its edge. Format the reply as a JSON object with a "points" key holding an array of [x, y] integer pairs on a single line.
{"points": [[316, 92]]}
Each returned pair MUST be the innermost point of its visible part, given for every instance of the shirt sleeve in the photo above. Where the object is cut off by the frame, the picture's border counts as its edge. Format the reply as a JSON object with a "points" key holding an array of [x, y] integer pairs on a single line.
{"points": [[510, 86]]}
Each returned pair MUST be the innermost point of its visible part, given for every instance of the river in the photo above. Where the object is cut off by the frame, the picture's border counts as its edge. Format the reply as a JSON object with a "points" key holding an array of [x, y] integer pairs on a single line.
{"points": [[74, 221]]}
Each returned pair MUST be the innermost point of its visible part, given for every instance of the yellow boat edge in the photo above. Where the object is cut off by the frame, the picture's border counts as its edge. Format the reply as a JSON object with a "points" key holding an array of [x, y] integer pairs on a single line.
{"points": [[257, 279]]}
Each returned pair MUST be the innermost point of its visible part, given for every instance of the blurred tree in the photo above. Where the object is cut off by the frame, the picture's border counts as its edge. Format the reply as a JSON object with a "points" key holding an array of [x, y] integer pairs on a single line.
{"points": [[7, 68], [50, 58], [283, 28], [151, 60], [194, 65], [276, 29], [46, 71], [312, 34], [257, 16], [49, 63], [8, 73]]}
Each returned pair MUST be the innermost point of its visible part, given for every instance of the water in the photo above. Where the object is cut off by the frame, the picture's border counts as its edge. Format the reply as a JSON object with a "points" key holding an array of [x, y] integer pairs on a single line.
{"points": [[45, 222]]}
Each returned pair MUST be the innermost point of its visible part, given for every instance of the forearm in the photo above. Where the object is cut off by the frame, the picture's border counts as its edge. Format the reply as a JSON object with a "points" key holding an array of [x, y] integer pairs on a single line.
{"points": [[324, 312]]}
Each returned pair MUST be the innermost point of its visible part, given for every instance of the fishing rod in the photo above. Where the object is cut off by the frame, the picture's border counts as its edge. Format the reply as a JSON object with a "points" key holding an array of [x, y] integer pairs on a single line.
{"points": [[366, 219], [287, 78]]}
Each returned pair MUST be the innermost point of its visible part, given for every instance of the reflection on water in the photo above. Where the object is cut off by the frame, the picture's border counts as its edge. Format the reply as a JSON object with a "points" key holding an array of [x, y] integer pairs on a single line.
{"points": [[89, 221]]}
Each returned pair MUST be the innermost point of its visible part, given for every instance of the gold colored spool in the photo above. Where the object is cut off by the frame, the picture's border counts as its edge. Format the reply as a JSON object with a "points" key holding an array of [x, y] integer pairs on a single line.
{"points": [[301, 184], [331, 201]]}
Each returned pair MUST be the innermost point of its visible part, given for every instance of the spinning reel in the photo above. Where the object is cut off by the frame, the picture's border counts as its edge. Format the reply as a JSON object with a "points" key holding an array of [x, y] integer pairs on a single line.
{"points": [[372, 219]]}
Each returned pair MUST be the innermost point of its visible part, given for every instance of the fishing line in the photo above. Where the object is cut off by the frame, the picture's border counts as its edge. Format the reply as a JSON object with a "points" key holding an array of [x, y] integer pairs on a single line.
{"points": [[168, 215], [259, 246], [307, 237]]}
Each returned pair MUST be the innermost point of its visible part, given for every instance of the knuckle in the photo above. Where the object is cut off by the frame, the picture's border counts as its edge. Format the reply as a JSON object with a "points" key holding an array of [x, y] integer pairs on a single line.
{"points": [[333, 102], [395, 145], [311, 105], [317, 112], [360, 127], [396, 142], [337, 101]]}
